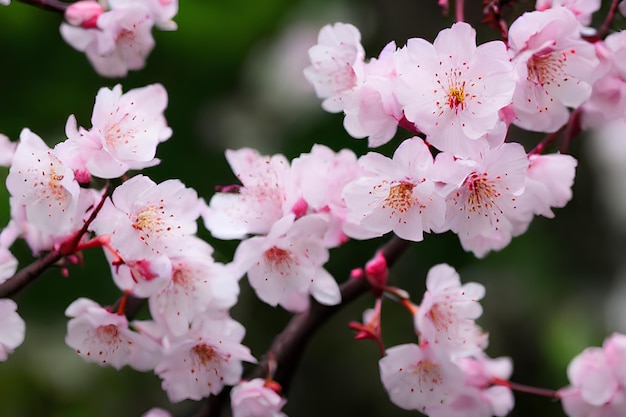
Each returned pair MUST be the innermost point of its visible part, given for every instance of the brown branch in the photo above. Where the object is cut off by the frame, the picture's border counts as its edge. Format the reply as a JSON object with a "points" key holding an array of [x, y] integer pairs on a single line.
{"points": [[610, 16], [28, 274], [288, 346], [49, 5], [31, 272]]}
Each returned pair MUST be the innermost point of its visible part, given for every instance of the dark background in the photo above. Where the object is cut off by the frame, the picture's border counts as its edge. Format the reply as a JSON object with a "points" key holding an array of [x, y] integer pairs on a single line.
{"points": [[233, 71]]}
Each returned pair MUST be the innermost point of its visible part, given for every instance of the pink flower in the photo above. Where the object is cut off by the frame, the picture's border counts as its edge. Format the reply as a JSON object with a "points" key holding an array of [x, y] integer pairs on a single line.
{"points": [[197, 283], [286, 266], [598, 381], [447, 312], [608, 96], [121, 41], [47, 203], [145, 219], [419, 377], [126, 131], [452, 90], [582, 9], [254, 207], [336, 64], [395, 194], [318, 178], [254, 399], [103, 337], [555, 68], [205, 359], [163, 11], [482, 205], [12, 328], [372, 109], [480, 397], [549, 181]]}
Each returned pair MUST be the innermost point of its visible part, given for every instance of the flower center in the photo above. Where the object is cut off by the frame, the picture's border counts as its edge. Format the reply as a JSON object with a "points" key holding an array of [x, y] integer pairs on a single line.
{"points": [[205, 353], [400, 197], [482, 192], [546, 68]]}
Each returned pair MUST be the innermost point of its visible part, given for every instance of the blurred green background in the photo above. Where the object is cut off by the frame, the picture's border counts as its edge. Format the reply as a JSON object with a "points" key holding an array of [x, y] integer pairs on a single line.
{"points": [[233, 71]]}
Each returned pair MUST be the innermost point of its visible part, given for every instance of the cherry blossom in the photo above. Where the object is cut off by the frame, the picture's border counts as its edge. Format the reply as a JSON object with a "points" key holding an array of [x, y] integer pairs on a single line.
{"points": [[549, 181], [316, 180], [336, 64], [101, 336], [598, 381], [255, 399], [555, 68], [419, 377], [608, 96], [197, 284], [447, 312], [146, 219], [163, 11], [121, 41], [12, 328], [480, 397], [47, 203], [582, 9], [39, 181], [286, 266], [372, 109], [255, 206], [452, 90], [204, 360], [395, 194], [126, 131], [482, 205]]}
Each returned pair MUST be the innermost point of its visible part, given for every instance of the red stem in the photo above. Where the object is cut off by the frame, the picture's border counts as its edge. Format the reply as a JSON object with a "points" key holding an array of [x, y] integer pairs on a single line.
{"points": [[459, 11], [543, 392]]}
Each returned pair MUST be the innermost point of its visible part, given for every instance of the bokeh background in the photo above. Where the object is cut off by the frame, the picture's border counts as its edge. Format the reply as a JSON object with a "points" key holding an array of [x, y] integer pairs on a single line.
{"points": [[233, 71]]}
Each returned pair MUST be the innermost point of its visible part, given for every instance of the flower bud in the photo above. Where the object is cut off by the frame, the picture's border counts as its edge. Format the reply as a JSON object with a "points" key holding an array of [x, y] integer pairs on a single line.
{"points": [[84, 13]]}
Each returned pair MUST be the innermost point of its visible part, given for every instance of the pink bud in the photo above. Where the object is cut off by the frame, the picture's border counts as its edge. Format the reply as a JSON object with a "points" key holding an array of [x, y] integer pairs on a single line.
{"points": [[300, 208], [84, 13], [376, 271]]}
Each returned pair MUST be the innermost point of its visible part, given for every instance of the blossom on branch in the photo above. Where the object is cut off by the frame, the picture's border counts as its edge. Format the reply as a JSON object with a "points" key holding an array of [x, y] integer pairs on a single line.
{"points": [[453, 90], [101, 336], [126, 131], [396, 194], [255, 399], [203, 360], [287, 265], [555, 68]]}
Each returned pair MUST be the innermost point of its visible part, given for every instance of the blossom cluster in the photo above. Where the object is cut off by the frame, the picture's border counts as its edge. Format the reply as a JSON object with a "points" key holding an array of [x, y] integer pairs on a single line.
{"points": [[448, 373], [461, 97], [116, 35], [148, 233], [457, 172]]}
